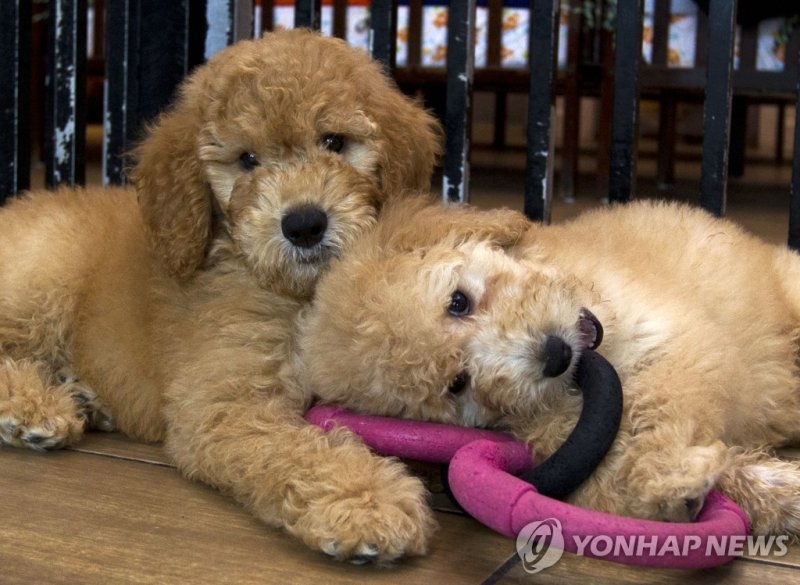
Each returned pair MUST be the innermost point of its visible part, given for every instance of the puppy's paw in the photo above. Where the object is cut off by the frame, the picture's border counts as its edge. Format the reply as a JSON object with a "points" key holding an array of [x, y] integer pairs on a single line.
{"points": [[677, 493], [40, 429], [376, 514], [683, 507], [34, 414], [96, 415]]}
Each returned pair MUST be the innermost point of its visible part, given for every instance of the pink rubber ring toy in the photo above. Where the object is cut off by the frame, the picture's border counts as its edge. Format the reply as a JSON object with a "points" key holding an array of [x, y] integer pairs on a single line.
{"points": [[481, 476]]}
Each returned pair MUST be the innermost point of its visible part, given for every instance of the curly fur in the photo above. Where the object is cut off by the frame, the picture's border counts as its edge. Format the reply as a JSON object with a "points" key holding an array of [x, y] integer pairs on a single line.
{"points": [[175, 315], [275, 97], [701, 322]]}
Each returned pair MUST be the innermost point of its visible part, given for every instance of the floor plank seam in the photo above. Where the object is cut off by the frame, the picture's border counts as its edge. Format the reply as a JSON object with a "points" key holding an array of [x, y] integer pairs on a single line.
{"points": [[502, 570], [770, 562], [122, 457], [449, 511]]}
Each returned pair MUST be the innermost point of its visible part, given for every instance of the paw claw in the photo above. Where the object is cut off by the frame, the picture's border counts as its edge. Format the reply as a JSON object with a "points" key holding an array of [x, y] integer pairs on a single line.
{"points": [[103, 421], [8, 428], [65, 376], [331, 548], [370, 550], [395, 521], [92, 411], [32, 438], [49, 435], [81, 398], [366, 553]]}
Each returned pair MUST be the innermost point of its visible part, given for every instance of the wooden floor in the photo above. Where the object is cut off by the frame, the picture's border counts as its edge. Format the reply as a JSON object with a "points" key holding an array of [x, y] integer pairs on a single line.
{"points": [[114, 511]]}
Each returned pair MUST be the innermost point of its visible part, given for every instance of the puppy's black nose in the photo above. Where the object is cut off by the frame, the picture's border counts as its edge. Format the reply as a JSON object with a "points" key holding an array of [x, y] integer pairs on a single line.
{"points": [[557, 356], [304, 226]]}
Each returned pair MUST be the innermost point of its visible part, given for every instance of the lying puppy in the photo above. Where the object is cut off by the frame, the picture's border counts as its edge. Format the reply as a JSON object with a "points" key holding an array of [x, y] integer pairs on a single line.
{"points": [[176, 314], [428, 317]]}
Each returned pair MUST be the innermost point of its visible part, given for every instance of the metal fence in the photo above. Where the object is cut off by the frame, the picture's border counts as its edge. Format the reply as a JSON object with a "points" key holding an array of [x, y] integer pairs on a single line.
{"points": [[151, 44]]}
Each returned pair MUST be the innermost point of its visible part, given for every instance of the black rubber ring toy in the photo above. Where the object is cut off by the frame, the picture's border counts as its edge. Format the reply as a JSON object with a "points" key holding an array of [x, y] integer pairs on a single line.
{"points": [[561, 473]]}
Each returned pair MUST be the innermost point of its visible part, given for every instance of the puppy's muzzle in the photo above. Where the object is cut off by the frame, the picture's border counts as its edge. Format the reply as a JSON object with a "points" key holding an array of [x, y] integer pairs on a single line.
{"points": [[557, 356], [305, 226], [558, 353]]}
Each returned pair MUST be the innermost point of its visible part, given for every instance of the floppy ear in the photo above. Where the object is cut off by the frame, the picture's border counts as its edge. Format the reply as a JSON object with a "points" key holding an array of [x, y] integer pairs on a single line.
{"points": [[415, 222], [174, 200], [412, 140]]}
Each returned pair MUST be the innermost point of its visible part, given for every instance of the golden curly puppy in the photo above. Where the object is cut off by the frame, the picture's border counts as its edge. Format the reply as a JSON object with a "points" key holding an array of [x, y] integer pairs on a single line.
{"points": [[427, 317], [176, 314]]}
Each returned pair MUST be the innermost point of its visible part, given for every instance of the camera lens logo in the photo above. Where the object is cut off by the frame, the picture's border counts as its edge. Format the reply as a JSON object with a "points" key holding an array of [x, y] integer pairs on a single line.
{"points": [[540, 545]]}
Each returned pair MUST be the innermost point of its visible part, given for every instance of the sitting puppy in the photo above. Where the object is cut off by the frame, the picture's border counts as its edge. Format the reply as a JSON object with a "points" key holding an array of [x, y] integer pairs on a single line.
{"points": [[176, 314], [430, 317]]}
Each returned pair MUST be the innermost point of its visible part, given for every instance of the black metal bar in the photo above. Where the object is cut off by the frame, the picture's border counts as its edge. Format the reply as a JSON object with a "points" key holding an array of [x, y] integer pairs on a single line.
{"points": [[119, 90], [661, 19], [573, 85], [65, 116], [383, 21], [267, 15], [227, 21], [414, 33], [737, 144], [148, 52], [494, 34], [717, 108], [794, 191], [605, 51], [543, 53], [340, 19], [458, 117], [667, 134], [625, 122], [500, 117], [307, 14], [15, 46], [701, 36], [780, 133]]}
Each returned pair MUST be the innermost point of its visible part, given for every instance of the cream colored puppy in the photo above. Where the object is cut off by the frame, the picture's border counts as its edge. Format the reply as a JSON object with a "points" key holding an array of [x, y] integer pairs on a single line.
{"points": [[176, 313], [434, 316]]}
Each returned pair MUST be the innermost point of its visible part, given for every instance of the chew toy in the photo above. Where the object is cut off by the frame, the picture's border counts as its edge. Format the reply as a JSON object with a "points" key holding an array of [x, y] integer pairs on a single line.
{"points": [[483, 466], [590, 440]]}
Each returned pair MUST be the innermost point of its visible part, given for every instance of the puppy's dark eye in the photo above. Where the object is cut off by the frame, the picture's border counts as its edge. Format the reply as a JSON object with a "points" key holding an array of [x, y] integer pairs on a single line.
{"points": [[248, 161], [459, 383], [333, 142], [459, 305]]}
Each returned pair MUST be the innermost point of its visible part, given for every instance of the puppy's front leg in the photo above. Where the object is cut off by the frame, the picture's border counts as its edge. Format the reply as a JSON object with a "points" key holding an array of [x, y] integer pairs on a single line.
{"points": [[667, 477], [43, 409], [327, 489], [670, 452]]}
